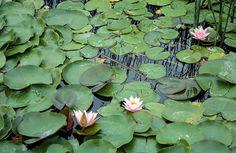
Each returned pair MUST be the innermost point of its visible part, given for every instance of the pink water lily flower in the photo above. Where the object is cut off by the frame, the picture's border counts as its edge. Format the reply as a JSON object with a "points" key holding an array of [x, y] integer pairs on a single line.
{"points": [[133, 104], [85, 119], [200, 33]]}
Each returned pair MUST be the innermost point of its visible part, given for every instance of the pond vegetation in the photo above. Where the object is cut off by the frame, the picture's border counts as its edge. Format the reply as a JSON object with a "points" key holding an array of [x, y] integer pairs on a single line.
{"points": [[118, 76]]}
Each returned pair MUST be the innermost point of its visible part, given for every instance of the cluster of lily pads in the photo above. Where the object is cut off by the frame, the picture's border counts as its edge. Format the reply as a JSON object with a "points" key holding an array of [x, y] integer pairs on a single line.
{"points": [[50, 70]]}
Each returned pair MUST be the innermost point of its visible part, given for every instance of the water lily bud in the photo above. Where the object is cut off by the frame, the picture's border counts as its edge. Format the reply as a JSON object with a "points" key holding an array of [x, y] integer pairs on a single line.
{"points": [[85, 119], [133, 104]]}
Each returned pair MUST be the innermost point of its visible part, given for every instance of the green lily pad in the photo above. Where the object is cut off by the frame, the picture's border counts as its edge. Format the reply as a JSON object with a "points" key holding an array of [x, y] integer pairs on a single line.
{"points": [[117, 129], [159, 2], [178, 89], [100, 5], [172, 133], [37, 97], [72, 18], [143, 121], [209, 147], [225, 106], [98, 146], [182, 112], [119, 49], [2, 59], [110, 90], [219, 132], [73, 96], [72, 72], [32, 126], [96, 74], [230, 42], [141, 144], [153, 71], [157, 53], [23, 76], [101, 41], [88, 51], [223, 68], [10, 147], [175, 10], [188, 56], [217, 86], [152, 38]]}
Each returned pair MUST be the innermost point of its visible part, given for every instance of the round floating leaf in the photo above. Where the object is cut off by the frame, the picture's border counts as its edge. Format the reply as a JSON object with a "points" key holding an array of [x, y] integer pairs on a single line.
{"points": [[157, 53], [175, 10], [159, 2], [88, 51], [155, 108], [57, 148], [117, 129], [35, 98], [226, 106], [70, 5], [72, 72], [110, 90], [143, 121], [172, 133], [119, 75], [209, 147], [2, 59], [111, 109], [96, 74], [141, 144], [16, 8], [182, 112], [219, 132], [100, 5], [72, 18], [230, 42], [223, 68], [217, 86], [10, 147], [168, 33], [23, 76], [31, 124], [74, 96], [97, 145], [96, 40], [188, 56], [178, 89], [153, 71], [123, 49], [152, 38]]}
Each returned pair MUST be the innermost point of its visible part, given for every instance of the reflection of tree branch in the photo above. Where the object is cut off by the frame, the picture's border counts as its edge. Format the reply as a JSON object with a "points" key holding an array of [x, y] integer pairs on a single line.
{"points": [[123, 65]]}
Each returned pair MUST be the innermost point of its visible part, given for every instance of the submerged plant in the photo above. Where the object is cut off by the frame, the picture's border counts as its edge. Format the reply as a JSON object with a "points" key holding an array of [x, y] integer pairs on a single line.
{"points": [[200, 33], [85, 119], [133, 104]]}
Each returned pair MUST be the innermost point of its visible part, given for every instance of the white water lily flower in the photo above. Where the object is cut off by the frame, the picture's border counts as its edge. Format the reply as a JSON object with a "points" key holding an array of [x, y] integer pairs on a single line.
{"points": [[133, 104]]}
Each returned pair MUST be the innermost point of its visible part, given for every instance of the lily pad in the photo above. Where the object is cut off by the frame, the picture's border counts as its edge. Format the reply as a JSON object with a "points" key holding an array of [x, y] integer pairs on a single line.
{"points": [[96, 75], [72, 72], [172, 133], [157, 53], [32, 126], [117, 129], [74, 19], [188, 56], [182, 112], [98, 146], [153, 71], [210, 147], [218, 132], [23, 76]]}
